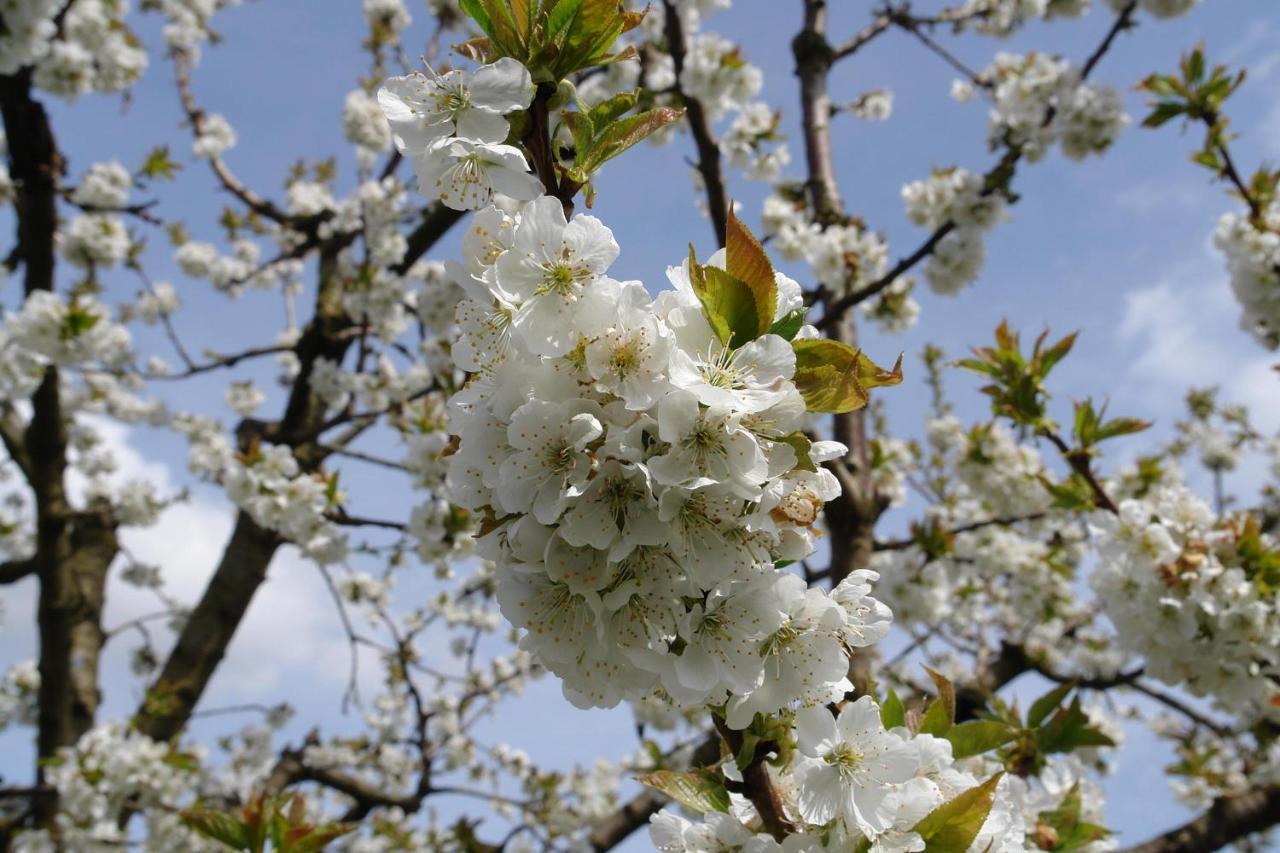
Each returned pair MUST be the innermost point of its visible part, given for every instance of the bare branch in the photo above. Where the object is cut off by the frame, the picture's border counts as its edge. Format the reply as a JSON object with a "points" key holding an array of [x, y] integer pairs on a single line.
{"points": [[197, 117], [708, 165], [15, 570], [1229, 819], [881, 23], [836, 309], [1006, 521]]}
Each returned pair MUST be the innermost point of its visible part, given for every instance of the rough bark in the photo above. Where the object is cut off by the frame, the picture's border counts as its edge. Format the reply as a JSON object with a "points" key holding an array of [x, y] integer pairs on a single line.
{"points": [[1228, 820], [73, 550], [204, 639]]}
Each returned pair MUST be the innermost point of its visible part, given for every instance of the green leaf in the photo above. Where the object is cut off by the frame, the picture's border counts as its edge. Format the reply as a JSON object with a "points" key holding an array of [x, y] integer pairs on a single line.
{"points": [[1069, 833], [158, 165], [747, 752], [1047, 704], [561, 17], [952, 826], [800, 443], [835, 377], [699, 790], [728, 303], [587, 42], [218, 826], [1069, 729], [612, 109], [746, 260], [1121, 426], [892, 712], [978, 736], [476, 11], [936, 720], [788, 324], [946, 692], [610, 141], [1162, 113]]}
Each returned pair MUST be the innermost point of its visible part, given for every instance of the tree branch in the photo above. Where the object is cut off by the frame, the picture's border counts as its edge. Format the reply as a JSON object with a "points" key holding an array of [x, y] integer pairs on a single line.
{"points": [[700, 126], [1229, 819], [196, 116], [999, 175], [15, 570]]}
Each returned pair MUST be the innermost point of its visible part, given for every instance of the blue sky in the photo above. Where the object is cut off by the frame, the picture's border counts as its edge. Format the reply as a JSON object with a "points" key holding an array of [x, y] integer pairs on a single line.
{"points": [[1116, 247]]}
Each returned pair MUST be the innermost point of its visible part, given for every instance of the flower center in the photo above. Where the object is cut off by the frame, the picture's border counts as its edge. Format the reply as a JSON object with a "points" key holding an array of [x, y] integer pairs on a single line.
{"points": [[453, 102], [624, 359], [562, 279], [844, 757], [558, 456], [719, 371]]}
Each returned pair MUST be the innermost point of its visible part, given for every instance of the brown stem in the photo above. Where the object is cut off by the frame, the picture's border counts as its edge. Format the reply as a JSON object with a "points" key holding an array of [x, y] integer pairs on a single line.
{"points": [[537, 141], [1080, 462], [902, 544], [700, 126], [758, 785], [1229, 819]]}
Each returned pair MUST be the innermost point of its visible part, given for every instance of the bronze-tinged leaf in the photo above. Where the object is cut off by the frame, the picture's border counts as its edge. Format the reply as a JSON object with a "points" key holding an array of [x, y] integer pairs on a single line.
{"points": [[699, 790], [631, 20], [617, 137], [219, 826], [746, 260], [946, 691], [952, 826], [835, 377], [729, 306], [476, 49]]}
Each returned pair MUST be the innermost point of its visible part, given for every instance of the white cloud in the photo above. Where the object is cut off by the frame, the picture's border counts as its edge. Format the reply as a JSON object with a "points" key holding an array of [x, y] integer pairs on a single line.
{"points": [[1182, 335], [290, 645]]}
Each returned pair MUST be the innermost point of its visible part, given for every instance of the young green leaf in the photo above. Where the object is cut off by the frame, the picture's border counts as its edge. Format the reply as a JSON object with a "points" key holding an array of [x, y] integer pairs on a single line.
{"points": [[699, 790], [800, 443], [936, 721], [892, 712], [219, 826], [728, 303], [1047, 704], [952, 826], [975, 737], [788, 324]]}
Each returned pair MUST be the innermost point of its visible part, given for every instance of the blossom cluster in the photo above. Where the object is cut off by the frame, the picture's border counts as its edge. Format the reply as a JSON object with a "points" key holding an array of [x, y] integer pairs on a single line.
{"points": [[1019, 579], [188, 23], [1038, 99], [1252, 251], [87, 48], [1196, 599], [270, 486], [1001, 18], [961, 198], [112, 768], [453, 127], [855, 785], [639, 476], [18, 689], [47, 330]]}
